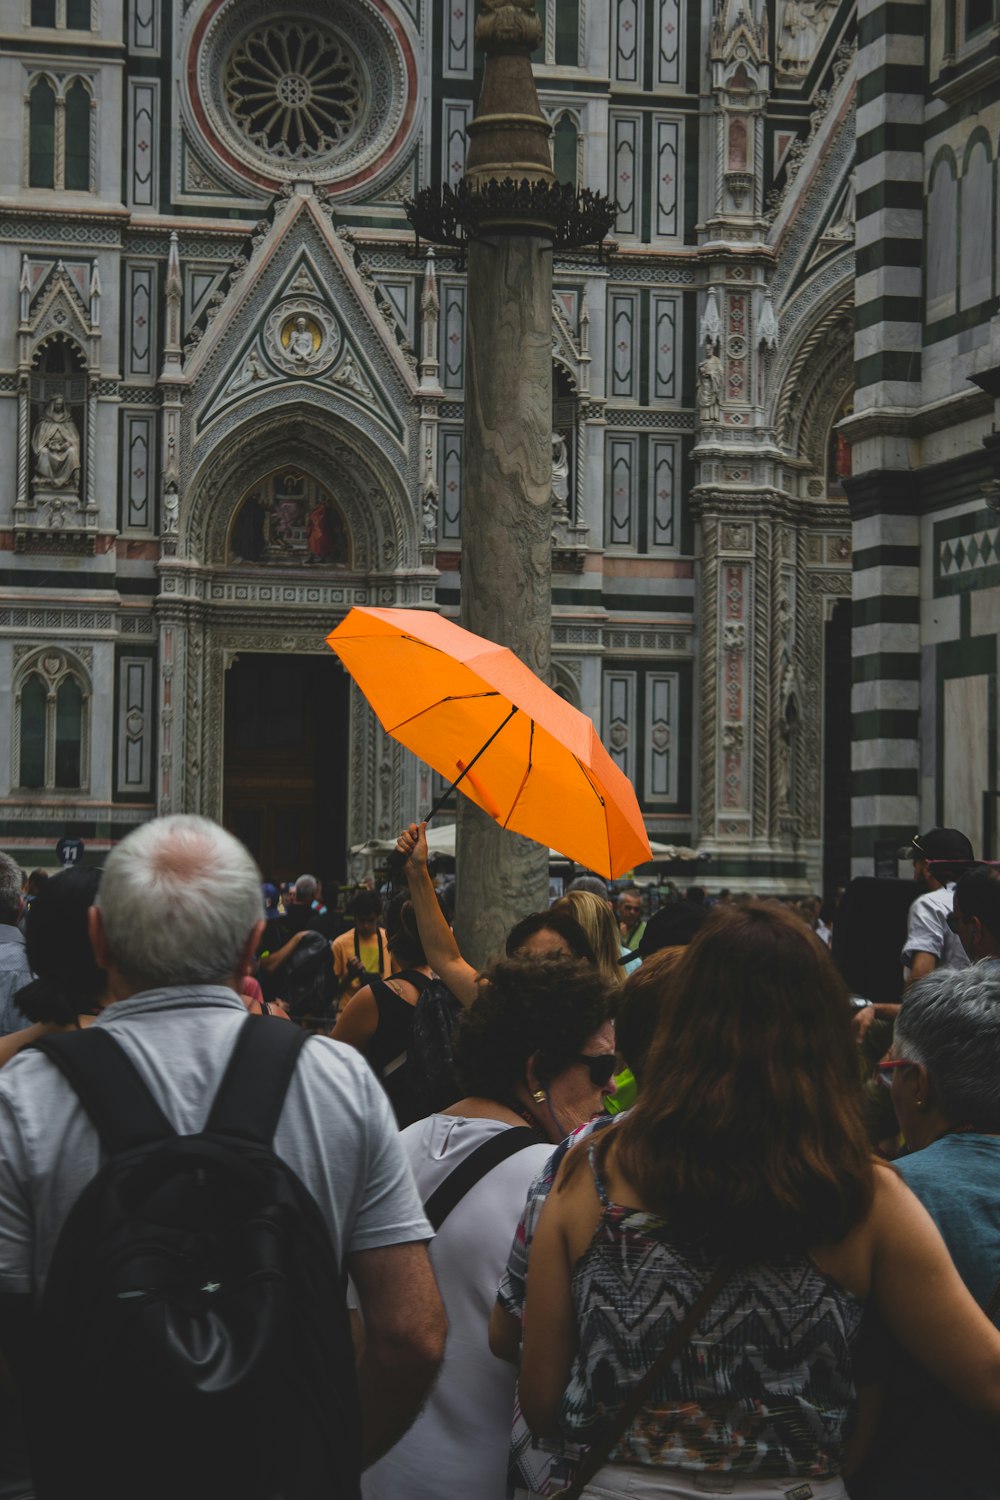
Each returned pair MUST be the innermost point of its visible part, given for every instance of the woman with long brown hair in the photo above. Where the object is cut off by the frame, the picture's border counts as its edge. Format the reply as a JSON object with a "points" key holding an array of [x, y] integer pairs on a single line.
{"points": [[744, 1171]]}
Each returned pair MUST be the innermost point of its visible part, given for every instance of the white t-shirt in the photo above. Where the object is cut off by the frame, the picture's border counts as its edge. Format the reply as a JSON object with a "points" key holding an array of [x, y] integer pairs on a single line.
{"points": [[459, 1444], [927, 931], [336, 1131]]}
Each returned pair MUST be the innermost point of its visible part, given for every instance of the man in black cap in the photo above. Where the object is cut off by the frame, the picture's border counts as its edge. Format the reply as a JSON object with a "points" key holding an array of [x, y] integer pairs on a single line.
{"points": [[939, 857]]}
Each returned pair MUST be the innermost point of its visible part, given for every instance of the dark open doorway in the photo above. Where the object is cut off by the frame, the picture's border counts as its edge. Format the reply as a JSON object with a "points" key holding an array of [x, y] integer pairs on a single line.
{"points": [[837, 749], [285, 771]]}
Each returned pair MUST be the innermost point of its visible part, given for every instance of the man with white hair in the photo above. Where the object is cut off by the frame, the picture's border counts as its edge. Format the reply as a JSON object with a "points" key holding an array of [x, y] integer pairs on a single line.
{"points": [[178, 917]]}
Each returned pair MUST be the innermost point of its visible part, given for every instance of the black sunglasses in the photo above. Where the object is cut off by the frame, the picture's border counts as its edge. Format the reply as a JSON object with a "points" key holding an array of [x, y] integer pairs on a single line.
{"points": [[600, 1066]]}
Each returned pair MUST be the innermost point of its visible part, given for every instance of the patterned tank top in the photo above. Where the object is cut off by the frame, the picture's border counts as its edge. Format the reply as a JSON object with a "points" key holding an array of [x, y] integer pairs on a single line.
{"points": [[763, 1388]]}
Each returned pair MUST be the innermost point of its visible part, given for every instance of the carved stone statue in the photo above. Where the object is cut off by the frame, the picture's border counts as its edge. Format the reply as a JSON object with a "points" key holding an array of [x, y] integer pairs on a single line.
{"points": [[429, 520], [171, 510], [803, 23], [55, 443], [710, 386], [300, 342], [560, 472]]}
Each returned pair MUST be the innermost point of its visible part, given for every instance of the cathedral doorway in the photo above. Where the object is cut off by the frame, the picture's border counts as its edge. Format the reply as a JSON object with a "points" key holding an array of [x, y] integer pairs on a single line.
{"points": [[285, 762]]}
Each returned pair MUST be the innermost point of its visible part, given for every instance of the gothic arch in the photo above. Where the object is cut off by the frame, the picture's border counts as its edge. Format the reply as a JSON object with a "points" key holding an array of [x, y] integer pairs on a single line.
{"points": [[370, 493], [817, 373], [52, 671]]}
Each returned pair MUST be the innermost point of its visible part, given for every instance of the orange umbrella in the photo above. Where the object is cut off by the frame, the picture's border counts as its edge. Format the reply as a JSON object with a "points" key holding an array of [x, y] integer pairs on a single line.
{"points": [[479, 716]]}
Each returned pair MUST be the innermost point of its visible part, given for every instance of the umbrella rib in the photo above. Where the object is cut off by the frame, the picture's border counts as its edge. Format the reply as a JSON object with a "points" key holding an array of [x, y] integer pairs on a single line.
{"points": [[600, 798], [524, 778], [451, 698]]}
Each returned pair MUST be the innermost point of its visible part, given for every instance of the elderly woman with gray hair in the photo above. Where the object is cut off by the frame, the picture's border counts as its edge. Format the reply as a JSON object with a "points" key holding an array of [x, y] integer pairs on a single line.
{"points": [[944, 1074]]}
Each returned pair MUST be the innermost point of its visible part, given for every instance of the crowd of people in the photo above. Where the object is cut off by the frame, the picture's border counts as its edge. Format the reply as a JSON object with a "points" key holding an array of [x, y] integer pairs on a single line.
{"points": [[660, 1203]]}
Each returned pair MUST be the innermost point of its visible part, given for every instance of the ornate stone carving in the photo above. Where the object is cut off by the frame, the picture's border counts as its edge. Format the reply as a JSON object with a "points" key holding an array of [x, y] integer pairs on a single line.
{"points": [[736, 537], [803, 24], [710, 386], [504, 23], [732, 738], [734, 637], [290, 98], [302, 337], [55, 443]]}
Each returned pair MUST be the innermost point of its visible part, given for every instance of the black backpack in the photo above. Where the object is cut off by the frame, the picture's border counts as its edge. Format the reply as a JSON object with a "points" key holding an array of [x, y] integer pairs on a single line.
{"points": [[431, 1050], [306, 981], [192, 1338]]}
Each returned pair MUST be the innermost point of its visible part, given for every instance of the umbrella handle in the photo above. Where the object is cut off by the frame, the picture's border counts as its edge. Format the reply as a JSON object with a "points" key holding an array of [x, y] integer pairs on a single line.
{"points": [[396, 861]]}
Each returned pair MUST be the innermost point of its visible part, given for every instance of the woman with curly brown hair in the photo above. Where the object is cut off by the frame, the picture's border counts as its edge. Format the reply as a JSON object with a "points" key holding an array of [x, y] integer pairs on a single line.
{"points": [[535, 1055], [743, 1172]]}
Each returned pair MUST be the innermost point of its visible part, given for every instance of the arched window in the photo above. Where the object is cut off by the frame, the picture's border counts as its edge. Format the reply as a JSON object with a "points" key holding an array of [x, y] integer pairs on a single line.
{"points": [[43, 12], [977, 213], [59, 132], [78, 16], [942, 238], [77, 138], [565, 145], [42, 128], [69, 733], [52, 717], [33, 715]]}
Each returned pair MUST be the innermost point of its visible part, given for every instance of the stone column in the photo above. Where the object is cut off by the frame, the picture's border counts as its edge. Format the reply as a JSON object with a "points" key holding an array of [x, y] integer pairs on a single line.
{"points": [[506, 519]]}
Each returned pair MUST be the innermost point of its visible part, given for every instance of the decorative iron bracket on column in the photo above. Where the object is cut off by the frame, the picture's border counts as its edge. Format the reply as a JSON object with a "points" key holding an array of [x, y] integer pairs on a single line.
{"points": [[574, 219]]}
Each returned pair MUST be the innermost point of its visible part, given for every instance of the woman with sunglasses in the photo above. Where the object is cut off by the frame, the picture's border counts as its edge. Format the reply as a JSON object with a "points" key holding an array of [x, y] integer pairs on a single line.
{"points": [[944, 1074], [739, 1192], [535, 1058]]}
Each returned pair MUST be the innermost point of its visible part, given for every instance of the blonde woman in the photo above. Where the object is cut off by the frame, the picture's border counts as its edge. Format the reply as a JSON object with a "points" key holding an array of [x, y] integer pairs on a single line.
{"points": [[596, 919]]}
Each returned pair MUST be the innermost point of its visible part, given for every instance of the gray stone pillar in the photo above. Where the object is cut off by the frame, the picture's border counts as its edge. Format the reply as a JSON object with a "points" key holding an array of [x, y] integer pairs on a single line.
{"points": [[506, 507], [506, 542]]}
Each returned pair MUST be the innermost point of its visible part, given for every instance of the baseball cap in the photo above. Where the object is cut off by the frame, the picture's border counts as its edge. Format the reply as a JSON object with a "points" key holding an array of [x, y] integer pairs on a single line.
{"points": [[270, 894], [944, 844]]}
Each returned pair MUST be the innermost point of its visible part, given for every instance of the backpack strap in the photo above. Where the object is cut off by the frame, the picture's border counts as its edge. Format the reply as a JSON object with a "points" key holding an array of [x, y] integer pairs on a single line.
{"points": [[249, 1099], [448, 1194], [109, 1086]]}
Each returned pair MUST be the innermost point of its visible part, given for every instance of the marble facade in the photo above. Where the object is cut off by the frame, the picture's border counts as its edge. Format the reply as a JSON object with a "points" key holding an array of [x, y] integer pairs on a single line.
{"points": [[227, 309]]}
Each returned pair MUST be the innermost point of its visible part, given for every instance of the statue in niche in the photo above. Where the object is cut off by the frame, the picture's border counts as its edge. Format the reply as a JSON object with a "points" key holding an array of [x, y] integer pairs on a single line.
{"points": [[710, 385], [560, 473], [55, 443], [429, 518], [803, 23], [302, 339], [171, 510], [788, 728]]}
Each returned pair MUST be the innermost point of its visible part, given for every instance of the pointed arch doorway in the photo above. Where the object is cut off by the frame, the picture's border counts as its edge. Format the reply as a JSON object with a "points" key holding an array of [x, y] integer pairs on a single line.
{"points": [[285, 762]]}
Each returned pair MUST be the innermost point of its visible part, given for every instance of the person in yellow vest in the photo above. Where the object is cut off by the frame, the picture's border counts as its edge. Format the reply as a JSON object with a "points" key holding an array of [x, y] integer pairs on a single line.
{"points": [[361, 951]]}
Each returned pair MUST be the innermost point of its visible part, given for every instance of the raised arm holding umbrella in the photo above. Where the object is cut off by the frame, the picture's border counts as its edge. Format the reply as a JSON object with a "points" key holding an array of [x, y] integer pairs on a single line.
{"points": [[542, 934]]}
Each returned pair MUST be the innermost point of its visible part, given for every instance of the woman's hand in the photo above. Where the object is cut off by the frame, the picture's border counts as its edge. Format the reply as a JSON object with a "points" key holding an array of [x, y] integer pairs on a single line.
{"points": [[412, 845]]}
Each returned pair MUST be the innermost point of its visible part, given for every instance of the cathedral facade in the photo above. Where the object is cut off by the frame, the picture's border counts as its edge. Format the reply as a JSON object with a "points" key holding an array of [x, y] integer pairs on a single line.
{"points": [[232, 407]]}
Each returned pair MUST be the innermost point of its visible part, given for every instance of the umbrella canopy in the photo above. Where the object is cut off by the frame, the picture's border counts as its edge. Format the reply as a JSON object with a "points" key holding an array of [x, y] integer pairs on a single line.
{"points": [[443, 693]]}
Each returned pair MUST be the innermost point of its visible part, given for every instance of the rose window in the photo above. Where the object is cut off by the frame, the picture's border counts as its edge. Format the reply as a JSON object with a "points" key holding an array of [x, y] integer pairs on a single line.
{"points": [[294, 90], [321, 92]]}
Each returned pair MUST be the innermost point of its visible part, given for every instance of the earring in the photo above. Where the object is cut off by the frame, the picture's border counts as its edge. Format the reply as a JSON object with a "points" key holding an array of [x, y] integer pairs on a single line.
{"points": [[919, 1103], [539, 1096]]}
